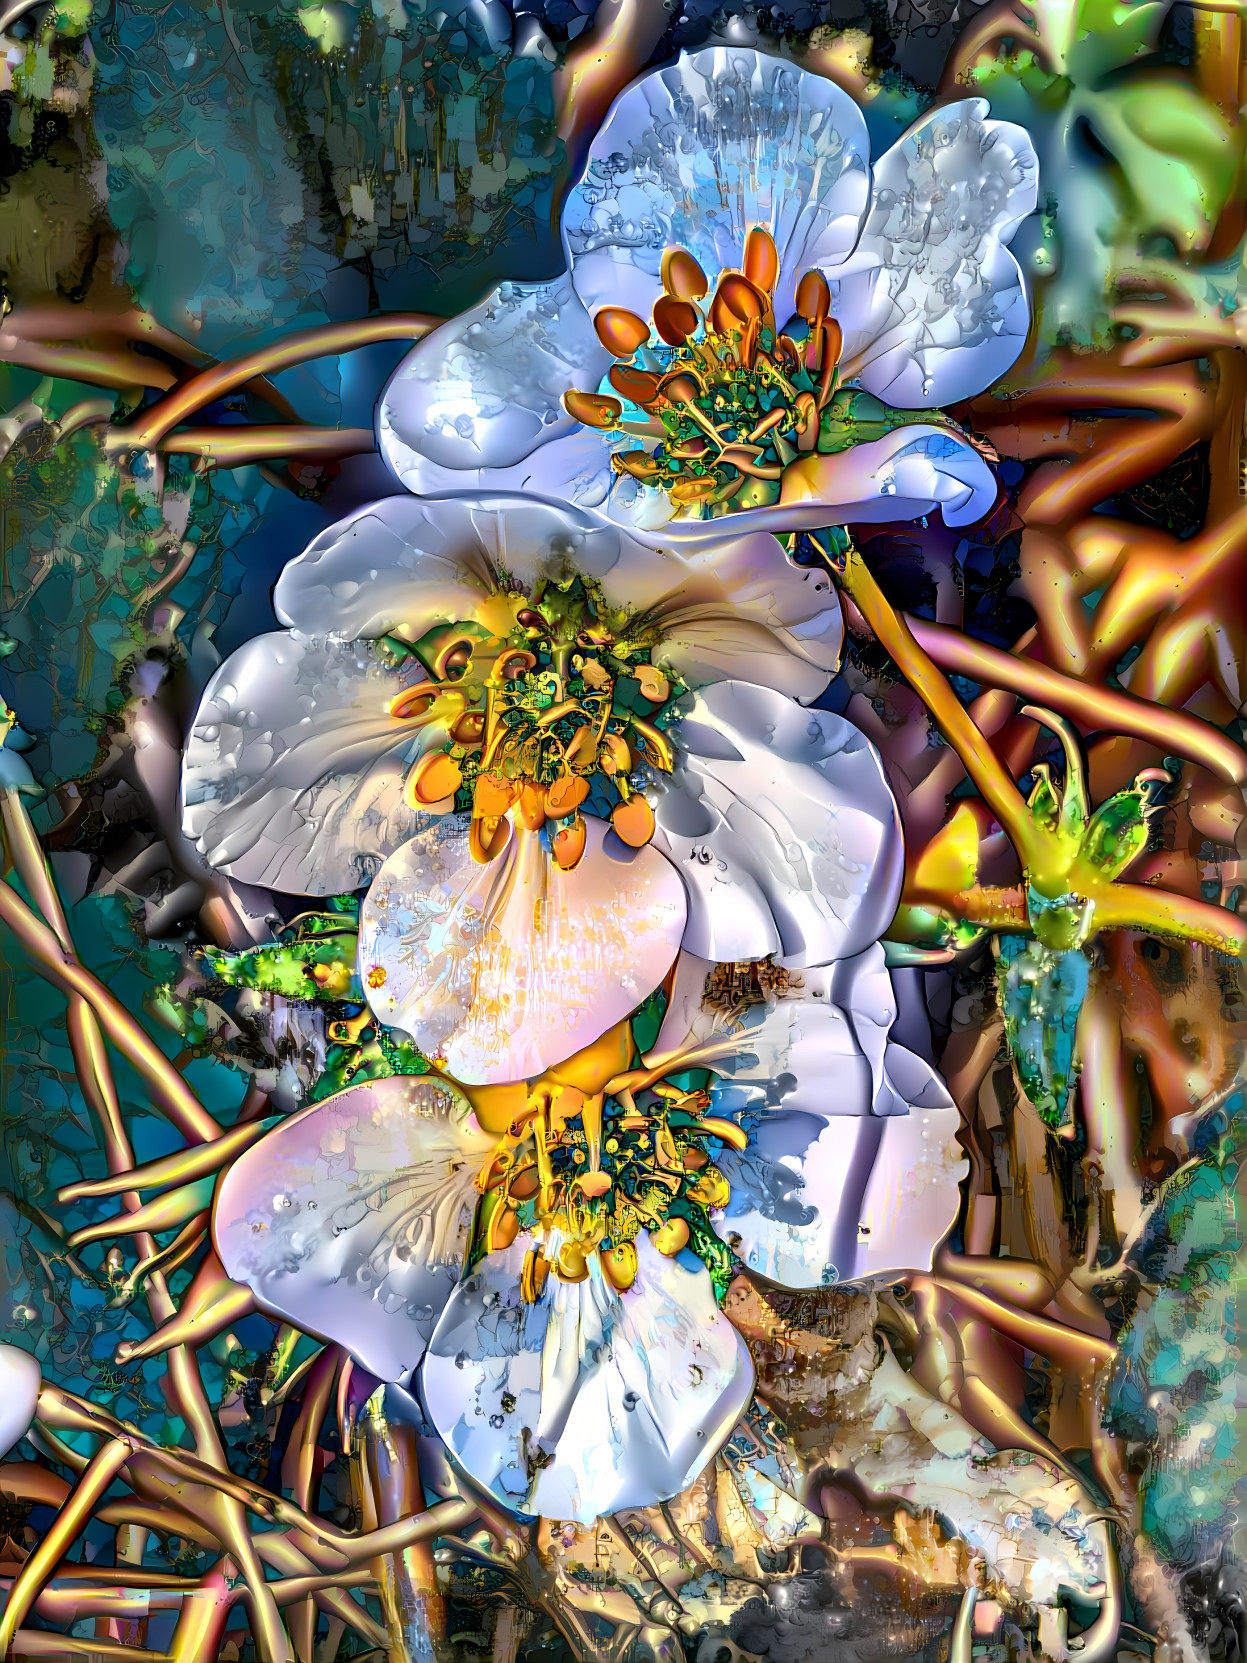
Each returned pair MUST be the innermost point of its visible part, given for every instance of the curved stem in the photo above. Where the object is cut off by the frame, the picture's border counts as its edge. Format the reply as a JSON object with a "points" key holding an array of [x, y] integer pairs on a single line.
{"points": [[981, 763], [236, 447], [169, 1091], [73, 1515], [1100, 709], [212, 384]]}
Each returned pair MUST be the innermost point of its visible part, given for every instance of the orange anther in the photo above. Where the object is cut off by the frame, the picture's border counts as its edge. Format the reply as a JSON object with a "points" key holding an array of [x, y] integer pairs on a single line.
{"points": [[761, 259], [682, 277], [592, 409], [620, 331]]}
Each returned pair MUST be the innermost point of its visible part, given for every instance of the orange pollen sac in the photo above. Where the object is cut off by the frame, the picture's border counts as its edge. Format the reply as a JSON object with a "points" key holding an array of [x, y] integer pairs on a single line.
{"points": [[593, 409], [682, 277], [620, 331], [640, 386], [761, 259], [813, 297], [675, 320]]}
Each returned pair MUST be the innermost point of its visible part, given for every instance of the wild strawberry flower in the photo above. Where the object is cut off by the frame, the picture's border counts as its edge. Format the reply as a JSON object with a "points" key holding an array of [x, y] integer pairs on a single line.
{"points": [[751, 322], [626, 894]]}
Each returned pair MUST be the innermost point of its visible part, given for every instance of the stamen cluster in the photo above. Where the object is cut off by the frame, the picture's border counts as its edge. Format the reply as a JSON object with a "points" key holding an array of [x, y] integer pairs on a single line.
{"points": [[556, 707], [588, 1175], [730, 401]]}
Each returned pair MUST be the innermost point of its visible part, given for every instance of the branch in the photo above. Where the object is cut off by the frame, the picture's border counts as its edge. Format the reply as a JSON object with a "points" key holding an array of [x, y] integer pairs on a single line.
{"points": [[77, 1509], [980, 761], [238, 446], [1096, 708], [209, 385], [58, 965]]}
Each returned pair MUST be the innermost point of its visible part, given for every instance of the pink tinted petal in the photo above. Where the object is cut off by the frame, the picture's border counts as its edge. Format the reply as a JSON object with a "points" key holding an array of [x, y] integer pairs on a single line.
{"points": [[504, 970], [350, 1219]]}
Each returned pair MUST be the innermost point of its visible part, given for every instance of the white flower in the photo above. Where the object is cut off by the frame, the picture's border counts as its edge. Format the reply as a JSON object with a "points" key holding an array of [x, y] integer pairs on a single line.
{"points": [[555, 753], [20, 1379], [749, 165]]}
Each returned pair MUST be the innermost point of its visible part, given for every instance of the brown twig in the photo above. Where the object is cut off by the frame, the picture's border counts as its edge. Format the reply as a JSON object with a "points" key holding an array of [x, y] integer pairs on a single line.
{"points": [[211, 384]]}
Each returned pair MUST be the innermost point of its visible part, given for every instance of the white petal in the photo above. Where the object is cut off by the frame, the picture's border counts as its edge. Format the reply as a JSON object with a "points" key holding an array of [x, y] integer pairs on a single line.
{"points": [[727, 603], [782, 825], [504, 970], [20, 1380], [621, 1399], [573, 468], [350, 1219], [292, 777], [484, 392], [695, 155], [910, 472], [914, 470], [744, 611], [932, 305], [398, 565], [818, 1086], [912, 1200]]}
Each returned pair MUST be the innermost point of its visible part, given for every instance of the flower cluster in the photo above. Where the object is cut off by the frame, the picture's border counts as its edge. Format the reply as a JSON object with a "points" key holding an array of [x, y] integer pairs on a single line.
{"points": [[623, 889]]}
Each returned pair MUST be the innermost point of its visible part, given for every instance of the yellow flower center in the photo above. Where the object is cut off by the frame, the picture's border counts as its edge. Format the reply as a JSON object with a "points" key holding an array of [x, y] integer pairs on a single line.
{"points": [[551, 707], [599, 1149]]}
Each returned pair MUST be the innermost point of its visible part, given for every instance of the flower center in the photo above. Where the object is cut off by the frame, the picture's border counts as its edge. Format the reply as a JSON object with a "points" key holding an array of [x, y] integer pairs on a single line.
{"points": [[725, 411], [557, 710], [586, 1174], [730, 402]]}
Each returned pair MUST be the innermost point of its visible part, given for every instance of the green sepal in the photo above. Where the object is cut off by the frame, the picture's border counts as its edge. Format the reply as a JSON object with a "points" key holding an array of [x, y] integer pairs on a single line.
{"points": [[1115, 834], [486, 1209], [312, 959], [1044, 803]]}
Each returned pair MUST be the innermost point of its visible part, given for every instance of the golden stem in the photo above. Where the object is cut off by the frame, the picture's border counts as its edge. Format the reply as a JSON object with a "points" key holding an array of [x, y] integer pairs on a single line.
{"points": [[169, 1091], [184, 1166], [166, 1212], [1067, 1346], [72, 1517], [236, 447], [1117, 905], [979, 760], [212, 384], [1096, 707], [168, 1259], [126, 371]]}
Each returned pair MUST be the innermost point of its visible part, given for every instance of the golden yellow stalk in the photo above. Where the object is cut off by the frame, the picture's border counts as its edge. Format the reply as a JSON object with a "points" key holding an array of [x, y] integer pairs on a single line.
{"points": [[1180, 733], [169, 1091], [72, 1517], [167, 1212], [236, 446], [1117, 905], [183, 1166]]}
